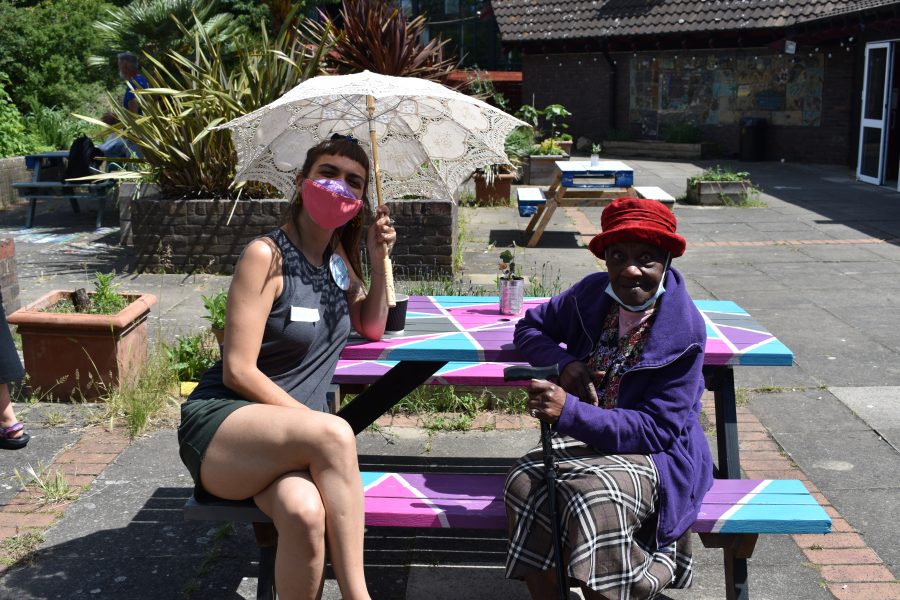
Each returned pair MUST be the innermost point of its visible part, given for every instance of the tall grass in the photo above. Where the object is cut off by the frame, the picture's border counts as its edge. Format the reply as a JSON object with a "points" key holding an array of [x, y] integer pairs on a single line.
{"points": [[53, 127], [151, 399]]}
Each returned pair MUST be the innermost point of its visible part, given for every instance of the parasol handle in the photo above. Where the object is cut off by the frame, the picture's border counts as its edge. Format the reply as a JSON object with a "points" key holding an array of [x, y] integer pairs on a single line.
{"points": [[388, 268]]}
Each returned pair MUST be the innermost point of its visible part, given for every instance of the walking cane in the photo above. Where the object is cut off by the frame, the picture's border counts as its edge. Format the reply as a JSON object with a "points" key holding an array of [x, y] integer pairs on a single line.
{"points": [[520, 373]]}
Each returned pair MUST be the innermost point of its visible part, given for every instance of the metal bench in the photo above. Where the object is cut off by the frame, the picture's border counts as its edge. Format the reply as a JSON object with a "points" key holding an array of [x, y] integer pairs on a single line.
{"points": [[735, 512]]}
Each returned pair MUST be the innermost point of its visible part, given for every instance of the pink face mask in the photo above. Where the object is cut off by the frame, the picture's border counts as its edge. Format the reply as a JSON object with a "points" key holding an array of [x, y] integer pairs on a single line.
{"points": [[330, 202]]}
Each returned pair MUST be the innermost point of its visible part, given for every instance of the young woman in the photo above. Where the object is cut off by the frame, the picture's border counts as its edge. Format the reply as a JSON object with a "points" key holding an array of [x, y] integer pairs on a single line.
{"points": [[633, 463], [257, 425]]}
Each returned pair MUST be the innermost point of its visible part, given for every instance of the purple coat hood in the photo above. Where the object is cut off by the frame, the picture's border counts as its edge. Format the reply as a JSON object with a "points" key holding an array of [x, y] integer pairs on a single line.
{"points": [[659, 398]]}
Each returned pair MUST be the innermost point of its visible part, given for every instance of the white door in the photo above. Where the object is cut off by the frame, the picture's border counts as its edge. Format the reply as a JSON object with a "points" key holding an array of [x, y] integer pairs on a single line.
{"points": [[875, 99]]}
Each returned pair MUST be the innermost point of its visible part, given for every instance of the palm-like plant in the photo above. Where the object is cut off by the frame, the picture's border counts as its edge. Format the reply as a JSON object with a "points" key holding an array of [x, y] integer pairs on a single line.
{"points": [[374, 35], [154, 27], [187, 100]]}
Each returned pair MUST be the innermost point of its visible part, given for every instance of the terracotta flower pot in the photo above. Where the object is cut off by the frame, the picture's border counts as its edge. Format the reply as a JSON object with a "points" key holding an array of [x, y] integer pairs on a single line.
{"points": [[496, 194], [75, 355]]}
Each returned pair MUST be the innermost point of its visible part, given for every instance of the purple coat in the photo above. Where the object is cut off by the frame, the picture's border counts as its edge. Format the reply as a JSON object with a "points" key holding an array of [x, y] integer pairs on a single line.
{"points": [[659, 398]]}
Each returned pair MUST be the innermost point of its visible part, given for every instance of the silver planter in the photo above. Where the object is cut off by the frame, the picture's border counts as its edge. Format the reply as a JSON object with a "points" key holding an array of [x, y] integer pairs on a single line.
{"points": [[512, 294]]}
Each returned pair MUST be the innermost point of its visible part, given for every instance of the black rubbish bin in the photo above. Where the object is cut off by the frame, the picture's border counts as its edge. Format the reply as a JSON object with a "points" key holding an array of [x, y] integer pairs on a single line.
{"points": [[753, 138]]}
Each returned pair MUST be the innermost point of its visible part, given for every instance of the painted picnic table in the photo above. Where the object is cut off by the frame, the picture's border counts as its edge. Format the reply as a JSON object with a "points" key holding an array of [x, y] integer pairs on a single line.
{"points": [[468, 334]]}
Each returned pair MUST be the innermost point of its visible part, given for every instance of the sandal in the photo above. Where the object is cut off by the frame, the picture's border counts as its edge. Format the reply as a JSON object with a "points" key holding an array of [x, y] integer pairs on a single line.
{"points": [[8, 442]]}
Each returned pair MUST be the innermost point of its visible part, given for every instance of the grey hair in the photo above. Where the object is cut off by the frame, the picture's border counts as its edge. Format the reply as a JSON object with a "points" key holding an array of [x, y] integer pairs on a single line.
{"points": [[129, 57]]}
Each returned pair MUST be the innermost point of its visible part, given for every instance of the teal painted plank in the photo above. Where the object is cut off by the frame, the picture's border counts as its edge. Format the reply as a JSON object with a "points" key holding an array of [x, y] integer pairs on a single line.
{"points": [[767, 499], [782, 519]]}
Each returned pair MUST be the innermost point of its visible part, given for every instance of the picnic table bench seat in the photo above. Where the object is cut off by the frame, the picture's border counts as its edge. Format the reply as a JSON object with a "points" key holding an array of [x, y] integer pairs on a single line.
{"points": [[529, 199], [652, 192], [61, 190], [734, 513]]}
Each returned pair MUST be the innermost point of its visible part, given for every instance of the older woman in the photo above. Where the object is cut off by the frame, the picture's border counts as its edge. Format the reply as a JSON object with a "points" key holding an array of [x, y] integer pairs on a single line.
{"points": [[257, 425], [632, 459]]}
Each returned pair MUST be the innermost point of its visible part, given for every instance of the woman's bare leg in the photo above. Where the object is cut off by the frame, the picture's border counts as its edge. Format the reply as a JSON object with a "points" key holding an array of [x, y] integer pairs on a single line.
{"points": [[295, 506], [260, 443]]}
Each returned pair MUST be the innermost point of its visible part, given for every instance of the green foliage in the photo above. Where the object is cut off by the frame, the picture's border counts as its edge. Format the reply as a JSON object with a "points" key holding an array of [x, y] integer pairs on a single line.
{"points": [[43, 49], [50, 487], [552, 118], [149, 399], [215, 309], [681, 133], [596, 149], [375, 35], [52, 127], [717, 173], [106, 299], [13, 140], [153, 27], [507, 265], [555, 115], [483, 89], [191, 355], [548, 147], [175, 131]]}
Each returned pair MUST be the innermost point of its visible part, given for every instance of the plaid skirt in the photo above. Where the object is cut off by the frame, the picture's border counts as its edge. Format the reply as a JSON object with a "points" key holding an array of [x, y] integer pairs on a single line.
{"points": [[607, 504]]}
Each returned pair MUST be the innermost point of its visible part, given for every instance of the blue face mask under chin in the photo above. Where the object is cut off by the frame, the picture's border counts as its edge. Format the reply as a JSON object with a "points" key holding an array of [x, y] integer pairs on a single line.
{"points": [[659, 292]]}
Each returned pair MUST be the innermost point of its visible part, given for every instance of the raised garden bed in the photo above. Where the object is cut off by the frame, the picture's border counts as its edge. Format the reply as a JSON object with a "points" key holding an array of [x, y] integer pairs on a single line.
{"points": [[658, 149]]}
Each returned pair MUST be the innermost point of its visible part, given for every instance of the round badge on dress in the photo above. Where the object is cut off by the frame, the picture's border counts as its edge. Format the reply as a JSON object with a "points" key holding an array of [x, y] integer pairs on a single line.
{"points": [[339, 272]]}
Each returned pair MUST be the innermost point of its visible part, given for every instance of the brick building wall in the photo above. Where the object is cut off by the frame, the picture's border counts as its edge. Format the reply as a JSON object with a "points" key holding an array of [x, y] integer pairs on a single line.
{"points": [[191, 235], [9, 279], [581, 83], [578, 81]]}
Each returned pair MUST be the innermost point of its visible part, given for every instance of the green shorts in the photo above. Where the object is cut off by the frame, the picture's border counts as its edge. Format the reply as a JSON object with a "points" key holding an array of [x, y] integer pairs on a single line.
{"points": [[200, 419]]}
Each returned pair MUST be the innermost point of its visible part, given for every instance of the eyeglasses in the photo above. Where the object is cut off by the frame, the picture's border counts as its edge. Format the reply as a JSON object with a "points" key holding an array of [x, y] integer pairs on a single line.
{"points": [[349, 138]]}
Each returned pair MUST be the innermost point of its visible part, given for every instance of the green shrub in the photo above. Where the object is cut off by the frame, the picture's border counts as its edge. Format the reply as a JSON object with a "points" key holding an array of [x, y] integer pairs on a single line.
{"points": [[191, 355], [12, 128], [44, 48], [717, 173], [215, 309], [52, 127]]}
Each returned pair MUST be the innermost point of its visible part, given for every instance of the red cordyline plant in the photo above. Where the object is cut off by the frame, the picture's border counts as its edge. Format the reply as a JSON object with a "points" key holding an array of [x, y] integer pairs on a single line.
{"points": [[375, 35]]}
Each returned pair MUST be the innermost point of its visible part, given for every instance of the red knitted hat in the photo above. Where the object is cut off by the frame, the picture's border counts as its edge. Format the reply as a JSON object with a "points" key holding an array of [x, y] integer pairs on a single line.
{"points": [[638, 220]]}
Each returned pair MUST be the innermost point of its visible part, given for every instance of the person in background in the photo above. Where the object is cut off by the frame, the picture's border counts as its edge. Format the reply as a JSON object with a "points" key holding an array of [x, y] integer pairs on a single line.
{"points": [[12, 432], [633, 463], [129, 71], [258, 424]]}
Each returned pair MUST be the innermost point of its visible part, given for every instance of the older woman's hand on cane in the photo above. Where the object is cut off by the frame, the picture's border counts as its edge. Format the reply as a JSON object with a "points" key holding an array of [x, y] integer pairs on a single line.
{"points": [[545, 400]]}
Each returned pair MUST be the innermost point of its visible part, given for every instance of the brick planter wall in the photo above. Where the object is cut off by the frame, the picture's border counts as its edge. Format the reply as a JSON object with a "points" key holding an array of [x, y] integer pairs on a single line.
{"points": [[12, 170], [192, 235], [9, 279], [426, 238]]}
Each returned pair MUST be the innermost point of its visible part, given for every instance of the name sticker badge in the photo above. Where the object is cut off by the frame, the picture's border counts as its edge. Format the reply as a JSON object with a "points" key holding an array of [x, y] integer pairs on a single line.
{"points": [[306, 315], [339, 272]]}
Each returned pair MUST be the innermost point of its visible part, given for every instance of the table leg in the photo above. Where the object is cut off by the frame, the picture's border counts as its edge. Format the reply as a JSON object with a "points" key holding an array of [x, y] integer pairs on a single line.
{"points": [[29, 213], [720, 380], [534, 219], [549, 208], [390, 389]]}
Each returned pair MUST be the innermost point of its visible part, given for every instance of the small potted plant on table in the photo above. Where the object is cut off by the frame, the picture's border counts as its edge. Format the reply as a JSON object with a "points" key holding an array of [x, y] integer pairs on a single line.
{"points": [[81, 345], [512, 285]]}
